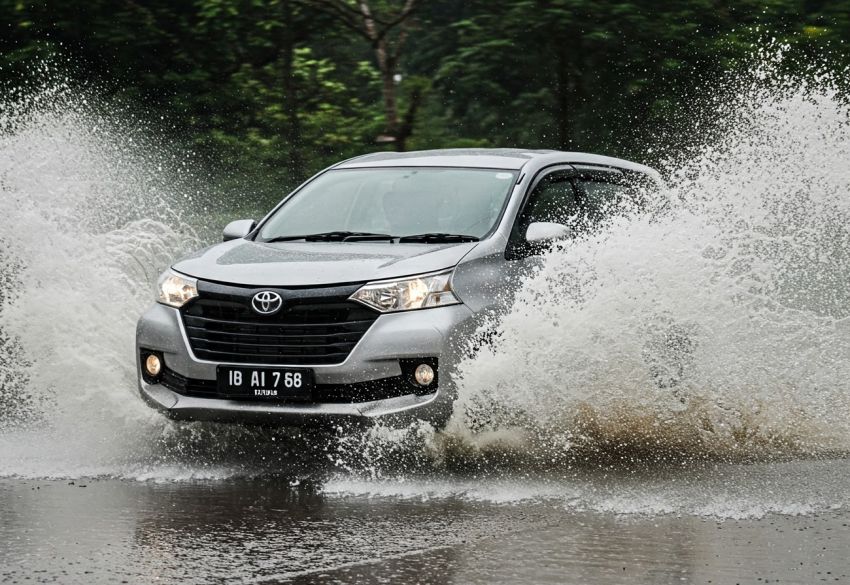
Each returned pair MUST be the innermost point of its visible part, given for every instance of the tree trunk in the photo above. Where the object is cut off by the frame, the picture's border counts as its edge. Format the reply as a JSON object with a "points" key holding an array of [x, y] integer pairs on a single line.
{"points": [[292, 131], [386, 53], [388, 90], [387, 47], [405, 129]]}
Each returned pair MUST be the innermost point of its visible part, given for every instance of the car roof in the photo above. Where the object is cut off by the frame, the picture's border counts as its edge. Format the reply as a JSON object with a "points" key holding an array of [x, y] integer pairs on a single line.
{"points": [[487, 158]]}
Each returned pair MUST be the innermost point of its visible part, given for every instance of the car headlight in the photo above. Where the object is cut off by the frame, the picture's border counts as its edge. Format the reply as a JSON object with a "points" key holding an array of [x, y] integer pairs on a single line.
{"points": [[175, 290], [416, 292]]}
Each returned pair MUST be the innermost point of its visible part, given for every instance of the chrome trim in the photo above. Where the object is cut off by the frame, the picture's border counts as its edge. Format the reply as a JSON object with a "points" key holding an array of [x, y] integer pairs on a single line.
{"points": [[266, 302], [408, 277]]}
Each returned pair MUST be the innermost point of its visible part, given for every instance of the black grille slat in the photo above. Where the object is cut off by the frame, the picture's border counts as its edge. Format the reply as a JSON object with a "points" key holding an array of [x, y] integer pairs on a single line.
{"points": [[191, 318], [269, 354], [274, 336], [247, 346], [315, 327], [281, 331]]}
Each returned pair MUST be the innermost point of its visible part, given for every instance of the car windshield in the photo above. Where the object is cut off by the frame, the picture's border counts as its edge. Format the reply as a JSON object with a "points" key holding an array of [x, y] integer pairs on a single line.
{"points": [[395, 202]]}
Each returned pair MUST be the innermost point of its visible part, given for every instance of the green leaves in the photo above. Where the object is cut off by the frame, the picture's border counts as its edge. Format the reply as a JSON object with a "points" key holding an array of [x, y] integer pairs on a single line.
{"points": [[272, 90]]}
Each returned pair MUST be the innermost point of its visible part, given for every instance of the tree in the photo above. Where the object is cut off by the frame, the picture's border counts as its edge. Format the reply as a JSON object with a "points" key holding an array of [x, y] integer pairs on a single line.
{"points": [[269, 90], [386, 30]]}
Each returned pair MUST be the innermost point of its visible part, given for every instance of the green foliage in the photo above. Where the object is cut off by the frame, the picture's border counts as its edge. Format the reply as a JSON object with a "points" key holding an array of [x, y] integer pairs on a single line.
{"points": [[269, 91]]}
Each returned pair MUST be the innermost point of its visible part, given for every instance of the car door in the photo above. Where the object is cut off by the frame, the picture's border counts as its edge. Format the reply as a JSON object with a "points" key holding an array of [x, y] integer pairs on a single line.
{"points": [[497, 277], [575, 196]]}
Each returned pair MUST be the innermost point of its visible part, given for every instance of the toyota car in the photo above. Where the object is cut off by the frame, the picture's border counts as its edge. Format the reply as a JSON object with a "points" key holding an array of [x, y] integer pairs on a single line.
{"points": [[358, 294]]}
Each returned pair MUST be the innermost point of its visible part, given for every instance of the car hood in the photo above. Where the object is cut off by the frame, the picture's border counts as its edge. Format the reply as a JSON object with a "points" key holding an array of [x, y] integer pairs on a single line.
{"points": [[317, 263]]}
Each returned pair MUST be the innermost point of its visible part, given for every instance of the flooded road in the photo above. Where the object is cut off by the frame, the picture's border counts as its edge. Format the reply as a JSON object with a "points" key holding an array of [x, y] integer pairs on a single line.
{"points": [[665, 401], [754, 524]]}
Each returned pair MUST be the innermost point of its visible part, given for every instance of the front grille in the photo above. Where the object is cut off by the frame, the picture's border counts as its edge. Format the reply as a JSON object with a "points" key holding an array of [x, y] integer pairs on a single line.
{"points": [[315, 326]]}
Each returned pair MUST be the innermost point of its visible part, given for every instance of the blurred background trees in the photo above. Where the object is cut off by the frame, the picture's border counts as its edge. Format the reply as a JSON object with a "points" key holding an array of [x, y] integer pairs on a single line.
{"points": [[269, 91]]}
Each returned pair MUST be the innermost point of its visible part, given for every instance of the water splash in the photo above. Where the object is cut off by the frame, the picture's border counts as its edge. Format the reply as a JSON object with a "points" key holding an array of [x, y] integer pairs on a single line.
{"points": [[715, 325], [90, 217], [95, 206]]}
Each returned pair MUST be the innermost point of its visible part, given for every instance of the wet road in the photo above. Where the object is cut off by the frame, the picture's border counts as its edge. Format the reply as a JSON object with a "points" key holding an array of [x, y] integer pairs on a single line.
{"points": [[772, 523]]}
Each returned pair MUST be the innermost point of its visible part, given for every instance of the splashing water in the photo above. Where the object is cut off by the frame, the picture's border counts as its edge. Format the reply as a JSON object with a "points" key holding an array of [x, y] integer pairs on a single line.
{"points": [[713, 325], [94, 208], [89, 220]]}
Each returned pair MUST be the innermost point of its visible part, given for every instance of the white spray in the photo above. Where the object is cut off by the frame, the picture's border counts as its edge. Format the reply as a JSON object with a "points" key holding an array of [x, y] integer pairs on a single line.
{"points": [[716, 324]]}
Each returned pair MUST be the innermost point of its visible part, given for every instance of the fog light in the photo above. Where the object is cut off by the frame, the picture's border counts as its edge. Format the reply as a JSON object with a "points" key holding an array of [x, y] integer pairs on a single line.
{"points": [[153, 365], [424, 374]]}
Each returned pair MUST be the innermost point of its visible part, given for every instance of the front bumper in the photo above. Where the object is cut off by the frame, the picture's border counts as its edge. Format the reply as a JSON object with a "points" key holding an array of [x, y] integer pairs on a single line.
{"points": [[403, 409], [431, 333]]}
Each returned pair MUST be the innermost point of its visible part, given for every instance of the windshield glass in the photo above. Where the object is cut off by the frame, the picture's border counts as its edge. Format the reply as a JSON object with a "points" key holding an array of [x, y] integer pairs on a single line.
{"points": [[397, 202]]}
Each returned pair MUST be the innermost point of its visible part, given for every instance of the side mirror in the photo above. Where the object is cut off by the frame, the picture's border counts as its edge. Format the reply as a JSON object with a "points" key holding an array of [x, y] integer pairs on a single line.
{"points": [[238, 229], [546, 231]]}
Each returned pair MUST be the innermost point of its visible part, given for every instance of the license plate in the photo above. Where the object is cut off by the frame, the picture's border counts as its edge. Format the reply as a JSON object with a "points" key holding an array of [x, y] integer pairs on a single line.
{"points": [[265, 383]]}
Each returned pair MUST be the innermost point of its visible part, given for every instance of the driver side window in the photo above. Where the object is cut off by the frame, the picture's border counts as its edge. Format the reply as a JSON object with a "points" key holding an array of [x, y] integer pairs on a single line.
{"points": [[552, 200]]}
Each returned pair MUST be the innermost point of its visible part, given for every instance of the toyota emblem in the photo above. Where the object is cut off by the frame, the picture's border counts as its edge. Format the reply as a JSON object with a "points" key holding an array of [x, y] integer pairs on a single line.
{"points": [[267, 302]]}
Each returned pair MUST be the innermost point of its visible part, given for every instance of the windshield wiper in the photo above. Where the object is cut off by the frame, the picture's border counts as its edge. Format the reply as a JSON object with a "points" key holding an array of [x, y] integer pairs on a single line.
{"points": [[437, 237], [343, 236], [340, 236]]}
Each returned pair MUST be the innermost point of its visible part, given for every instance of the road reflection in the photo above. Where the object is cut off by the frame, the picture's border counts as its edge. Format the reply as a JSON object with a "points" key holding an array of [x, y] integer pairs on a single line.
{"points": [[288, 529]]}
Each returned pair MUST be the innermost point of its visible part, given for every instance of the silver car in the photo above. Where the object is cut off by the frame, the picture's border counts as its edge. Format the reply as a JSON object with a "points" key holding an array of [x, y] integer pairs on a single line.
{"points": [[355, 297]]}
